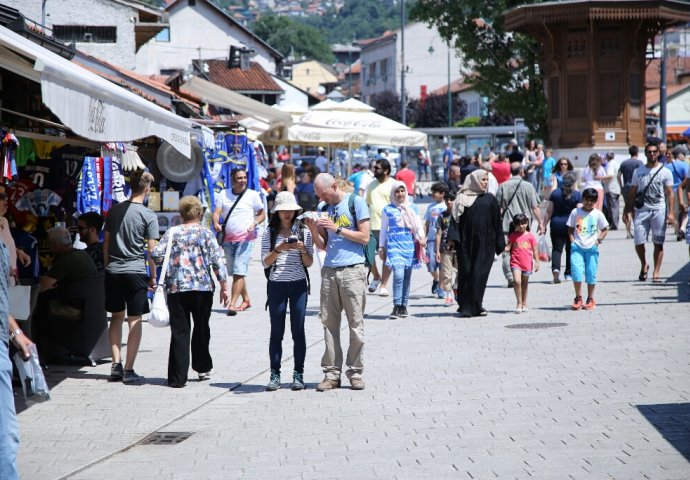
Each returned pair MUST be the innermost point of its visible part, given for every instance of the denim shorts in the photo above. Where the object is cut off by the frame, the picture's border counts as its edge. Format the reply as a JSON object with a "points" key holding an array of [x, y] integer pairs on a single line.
{"points": [[237, 256], [525, 273], [433, 265]]}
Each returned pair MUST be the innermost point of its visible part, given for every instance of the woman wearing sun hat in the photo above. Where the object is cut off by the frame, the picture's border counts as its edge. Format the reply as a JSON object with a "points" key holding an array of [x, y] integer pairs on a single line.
{"points": [[286, 253]]}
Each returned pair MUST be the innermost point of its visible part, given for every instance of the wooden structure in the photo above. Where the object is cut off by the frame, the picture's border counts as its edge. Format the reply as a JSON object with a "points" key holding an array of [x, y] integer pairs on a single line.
{"points": [[593, 54]]}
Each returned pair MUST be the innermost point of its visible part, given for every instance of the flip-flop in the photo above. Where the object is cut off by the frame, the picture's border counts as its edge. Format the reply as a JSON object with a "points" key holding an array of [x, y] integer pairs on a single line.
{"points": [[231, 312], [656, 279], [643, 274], [244, 306]]}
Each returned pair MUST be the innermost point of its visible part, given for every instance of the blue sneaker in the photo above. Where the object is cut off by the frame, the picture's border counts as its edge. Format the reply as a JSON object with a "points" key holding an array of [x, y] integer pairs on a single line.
{"points": [[440, 293]]}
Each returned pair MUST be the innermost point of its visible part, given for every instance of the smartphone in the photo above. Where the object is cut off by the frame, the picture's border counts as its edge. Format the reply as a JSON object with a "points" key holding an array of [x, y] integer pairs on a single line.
{"points": [[292, 240]]}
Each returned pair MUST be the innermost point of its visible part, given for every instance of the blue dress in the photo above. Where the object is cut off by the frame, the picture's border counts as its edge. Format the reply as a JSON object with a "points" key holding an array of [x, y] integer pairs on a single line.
{"points": [[400, 250]]}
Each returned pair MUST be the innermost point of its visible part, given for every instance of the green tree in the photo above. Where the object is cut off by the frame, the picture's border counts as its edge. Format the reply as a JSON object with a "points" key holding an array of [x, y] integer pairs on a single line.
{"points": [[291, 37], [505, 63]]}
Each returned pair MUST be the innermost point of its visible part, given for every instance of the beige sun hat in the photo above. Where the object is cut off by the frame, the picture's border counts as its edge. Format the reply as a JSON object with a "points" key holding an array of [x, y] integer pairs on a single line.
{"points": [[285, 201]]}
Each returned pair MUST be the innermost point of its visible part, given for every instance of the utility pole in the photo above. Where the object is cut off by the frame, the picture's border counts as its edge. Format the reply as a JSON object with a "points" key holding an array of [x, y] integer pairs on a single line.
{"points": [[450, 105], [662, 88], [403, 112], [349, 59]]}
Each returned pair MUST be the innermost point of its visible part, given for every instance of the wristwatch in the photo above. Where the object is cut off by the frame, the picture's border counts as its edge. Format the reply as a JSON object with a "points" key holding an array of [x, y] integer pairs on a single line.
{"points": [[338, 230]]}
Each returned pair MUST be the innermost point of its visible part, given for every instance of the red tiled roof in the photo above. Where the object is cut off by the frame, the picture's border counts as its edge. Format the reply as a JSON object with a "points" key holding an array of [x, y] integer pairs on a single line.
{"points": [[252, 80], [368, 41], [653, 95], [456, 86], [674, 66]]}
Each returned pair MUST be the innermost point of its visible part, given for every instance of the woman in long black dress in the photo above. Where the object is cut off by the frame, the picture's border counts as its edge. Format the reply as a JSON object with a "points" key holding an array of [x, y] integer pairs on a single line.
{"points": [[478, 217]]}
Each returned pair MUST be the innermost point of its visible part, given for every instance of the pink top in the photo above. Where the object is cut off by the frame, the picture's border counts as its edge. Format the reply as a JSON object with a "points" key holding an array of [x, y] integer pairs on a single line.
{"points": [[522, 250]]}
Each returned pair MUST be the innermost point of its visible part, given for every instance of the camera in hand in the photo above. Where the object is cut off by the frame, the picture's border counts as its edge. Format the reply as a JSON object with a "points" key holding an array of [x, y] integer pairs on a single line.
{"points": [[292, 239]]}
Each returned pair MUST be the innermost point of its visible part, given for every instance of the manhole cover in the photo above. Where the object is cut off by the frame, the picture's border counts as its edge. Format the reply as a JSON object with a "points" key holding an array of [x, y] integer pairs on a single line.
{"points": [[166, 438], [537, 325]]}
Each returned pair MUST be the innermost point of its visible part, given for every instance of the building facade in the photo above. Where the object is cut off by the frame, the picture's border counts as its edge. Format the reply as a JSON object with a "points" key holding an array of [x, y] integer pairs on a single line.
{"points": [[113, 30], [426, 62], [200, 29]]}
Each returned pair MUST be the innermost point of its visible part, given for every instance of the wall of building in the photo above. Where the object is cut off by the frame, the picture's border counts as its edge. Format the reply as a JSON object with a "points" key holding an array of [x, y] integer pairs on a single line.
{"points": [[430, 69], [423, 67], [292, 95], [197, 32], [89, 13], [310, 75], [473, 101]]}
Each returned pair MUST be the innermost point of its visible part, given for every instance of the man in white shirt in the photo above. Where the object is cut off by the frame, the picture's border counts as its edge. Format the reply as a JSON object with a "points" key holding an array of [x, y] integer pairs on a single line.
{"points": [[321, 161], [240, 233], [653, 211], [612, 191]]}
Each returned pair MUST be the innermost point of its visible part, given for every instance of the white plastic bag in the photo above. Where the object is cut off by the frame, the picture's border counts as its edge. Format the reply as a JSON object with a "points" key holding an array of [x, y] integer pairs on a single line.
{"points": [[544, 251], [34, 384], [159, 316], [20, 301]]}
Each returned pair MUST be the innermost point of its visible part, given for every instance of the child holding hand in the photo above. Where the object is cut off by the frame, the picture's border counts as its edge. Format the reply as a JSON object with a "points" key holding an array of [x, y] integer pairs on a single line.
{"points": [[524, 258]]}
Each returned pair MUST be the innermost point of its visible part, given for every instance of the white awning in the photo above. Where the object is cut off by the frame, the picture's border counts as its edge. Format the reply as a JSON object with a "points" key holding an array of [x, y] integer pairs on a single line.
{"points": [[89, 105], [222, 97]]}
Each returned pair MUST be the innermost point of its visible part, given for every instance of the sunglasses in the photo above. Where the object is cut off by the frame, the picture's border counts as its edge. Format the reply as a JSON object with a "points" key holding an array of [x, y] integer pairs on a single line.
{"points": [[378, 168], [563, 164], [652, 152], [3, 196]]}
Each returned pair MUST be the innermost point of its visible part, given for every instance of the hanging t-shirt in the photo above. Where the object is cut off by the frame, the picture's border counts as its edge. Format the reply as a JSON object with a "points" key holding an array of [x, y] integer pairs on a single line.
{"points": [[38, 202], [586, 226], [66, 167], [40, 172], [25, 152], [242, 215]]}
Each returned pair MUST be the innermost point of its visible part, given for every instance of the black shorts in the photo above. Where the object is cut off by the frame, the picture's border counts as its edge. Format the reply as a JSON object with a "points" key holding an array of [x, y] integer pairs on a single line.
{"points": [[127, 289]]}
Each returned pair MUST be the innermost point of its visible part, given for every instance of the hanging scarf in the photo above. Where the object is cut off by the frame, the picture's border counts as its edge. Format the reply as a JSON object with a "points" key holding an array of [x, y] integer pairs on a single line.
{"points": [[469, 192], [408, 218]]}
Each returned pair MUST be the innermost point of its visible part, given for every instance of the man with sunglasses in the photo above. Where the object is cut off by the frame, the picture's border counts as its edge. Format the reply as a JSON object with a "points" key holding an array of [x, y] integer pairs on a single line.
{"points": [[654, 210]]}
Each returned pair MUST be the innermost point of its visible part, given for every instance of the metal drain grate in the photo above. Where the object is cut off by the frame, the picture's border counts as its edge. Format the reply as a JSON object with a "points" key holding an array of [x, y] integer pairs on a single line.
{"points": [[537, 325], [166, 438]]}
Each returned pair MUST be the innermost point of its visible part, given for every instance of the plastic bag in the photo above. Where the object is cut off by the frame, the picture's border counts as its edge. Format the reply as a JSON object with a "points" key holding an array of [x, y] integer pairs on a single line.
{"points": [[159, 316], [34, 384], [544, 251]]}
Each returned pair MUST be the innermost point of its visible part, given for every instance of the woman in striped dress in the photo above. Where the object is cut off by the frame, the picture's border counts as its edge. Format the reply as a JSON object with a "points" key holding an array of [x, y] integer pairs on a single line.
{"points": [[401, 228]]}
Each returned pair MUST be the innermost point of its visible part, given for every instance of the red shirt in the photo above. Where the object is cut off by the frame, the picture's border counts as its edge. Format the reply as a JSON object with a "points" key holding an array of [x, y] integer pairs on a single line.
{"points": [[408, 177], [501, 171], [522, 251]]}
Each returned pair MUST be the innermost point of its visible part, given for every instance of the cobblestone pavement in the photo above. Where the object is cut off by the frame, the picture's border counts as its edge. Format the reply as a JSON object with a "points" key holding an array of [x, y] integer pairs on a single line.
{"points": [[605, 396]]}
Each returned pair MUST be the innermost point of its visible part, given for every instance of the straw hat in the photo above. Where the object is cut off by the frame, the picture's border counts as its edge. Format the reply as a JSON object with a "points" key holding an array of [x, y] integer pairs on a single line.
{"points": [[285, 201]]}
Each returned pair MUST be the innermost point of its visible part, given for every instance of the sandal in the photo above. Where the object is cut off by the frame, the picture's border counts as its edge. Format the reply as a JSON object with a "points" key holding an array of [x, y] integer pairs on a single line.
{"points": [[244, 306], [656, 279], [231, 312], [643, 274]]}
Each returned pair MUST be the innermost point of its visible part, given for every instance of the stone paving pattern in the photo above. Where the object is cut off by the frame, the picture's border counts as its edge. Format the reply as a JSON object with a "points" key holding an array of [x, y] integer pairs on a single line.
{"points": [[605, 397]]}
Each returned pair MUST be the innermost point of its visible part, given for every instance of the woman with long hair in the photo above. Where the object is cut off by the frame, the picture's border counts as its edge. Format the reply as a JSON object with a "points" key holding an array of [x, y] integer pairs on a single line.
{"points": [[591, 177], [401, 229], [194, 253], [562, 167], [286, 253], [288, 178], [561, 202], [479, 238]]}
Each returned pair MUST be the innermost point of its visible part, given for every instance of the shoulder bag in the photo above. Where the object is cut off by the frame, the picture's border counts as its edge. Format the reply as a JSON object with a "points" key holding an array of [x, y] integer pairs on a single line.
{"points": [[640, 196], [221, 235], [160, 316], [512, 197]]}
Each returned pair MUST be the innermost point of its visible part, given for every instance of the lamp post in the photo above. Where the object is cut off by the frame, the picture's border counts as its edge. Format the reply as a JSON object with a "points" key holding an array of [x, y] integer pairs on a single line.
{"points": [[449, 96]]}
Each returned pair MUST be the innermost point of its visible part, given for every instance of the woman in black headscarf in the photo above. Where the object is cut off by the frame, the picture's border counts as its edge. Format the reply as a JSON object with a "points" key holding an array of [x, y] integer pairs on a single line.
{"points": [[478, 219]]}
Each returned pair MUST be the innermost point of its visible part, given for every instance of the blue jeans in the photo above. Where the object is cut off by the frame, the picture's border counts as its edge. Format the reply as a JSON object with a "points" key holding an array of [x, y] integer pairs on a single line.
{"points": [[279, 294], [401, 285], [9, 428]]}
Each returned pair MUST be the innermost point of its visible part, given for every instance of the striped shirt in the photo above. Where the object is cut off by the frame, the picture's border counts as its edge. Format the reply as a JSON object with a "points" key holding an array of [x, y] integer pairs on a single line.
{"points": [[288, 266]]}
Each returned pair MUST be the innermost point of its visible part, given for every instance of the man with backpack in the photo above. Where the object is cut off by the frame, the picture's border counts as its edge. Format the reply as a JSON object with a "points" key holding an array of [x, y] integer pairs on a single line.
{"points": [[342, 230]]}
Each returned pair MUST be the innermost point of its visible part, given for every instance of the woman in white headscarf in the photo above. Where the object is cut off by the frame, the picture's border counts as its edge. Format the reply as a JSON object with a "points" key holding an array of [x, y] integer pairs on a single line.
{"points": [[401, 229], [478, 220]]}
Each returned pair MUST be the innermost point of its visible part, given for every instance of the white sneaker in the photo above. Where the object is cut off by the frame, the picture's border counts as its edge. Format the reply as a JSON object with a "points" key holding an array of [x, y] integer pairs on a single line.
{"points": [[384, 292], [205, 375], [374, 285]]}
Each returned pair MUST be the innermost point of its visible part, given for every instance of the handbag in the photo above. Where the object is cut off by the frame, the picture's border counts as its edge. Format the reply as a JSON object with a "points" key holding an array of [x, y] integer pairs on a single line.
{"points": [[420, 252], [20, 301], [159, 316], [221, 234]]}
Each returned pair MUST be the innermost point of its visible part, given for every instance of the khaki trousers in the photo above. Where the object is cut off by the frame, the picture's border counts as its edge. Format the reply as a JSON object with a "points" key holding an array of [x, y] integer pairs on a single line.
{"points": [[448, 270], [343, 288]]}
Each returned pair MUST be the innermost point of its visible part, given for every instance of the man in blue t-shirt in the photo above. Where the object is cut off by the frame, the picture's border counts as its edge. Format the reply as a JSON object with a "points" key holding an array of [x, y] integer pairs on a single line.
{"points": [[679, 170], [343, 278]]}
